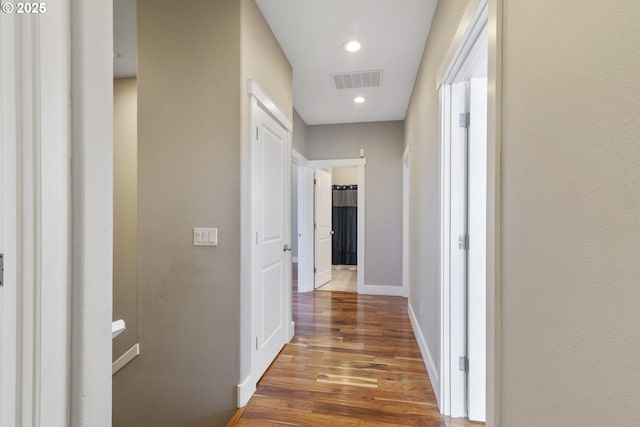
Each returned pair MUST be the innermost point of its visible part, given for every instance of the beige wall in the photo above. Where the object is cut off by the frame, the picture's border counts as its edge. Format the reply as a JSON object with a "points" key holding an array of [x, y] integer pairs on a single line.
{"points": [[571, 204], [383, 145], [422, 133], [125, 212], [188, 176], [299, 134], [344, 176]]}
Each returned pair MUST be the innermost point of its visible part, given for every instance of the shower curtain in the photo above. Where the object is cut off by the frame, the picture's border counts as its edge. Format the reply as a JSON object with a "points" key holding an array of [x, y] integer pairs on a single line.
{"points": [[345, 224]]}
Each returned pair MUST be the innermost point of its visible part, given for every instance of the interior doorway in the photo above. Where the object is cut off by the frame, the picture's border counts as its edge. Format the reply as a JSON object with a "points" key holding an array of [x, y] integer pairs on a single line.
{"points": [[348, 275], [343, 207], [464, 224]]}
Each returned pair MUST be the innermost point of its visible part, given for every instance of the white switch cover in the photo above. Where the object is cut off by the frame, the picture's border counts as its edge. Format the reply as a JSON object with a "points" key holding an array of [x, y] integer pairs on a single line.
{"points": [[205, 237]]}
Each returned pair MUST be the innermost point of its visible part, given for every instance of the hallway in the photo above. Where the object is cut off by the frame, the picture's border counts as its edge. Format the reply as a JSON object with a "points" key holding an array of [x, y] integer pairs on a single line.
{"points": [[353, 362]]}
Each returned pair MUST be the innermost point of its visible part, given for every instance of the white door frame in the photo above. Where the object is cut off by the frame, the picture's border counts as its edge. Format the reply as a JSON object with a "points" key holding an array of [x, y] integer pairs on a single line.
{"points": [[305, 223], [406, 212], [479, 18], [36, 151], [360, 164], [258, 100]]}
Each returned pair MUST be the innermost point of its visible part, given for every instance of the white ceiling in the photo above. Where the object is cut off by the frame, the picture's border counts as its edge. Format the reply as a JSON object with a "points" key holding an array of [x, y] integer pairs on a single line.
{"points": [[311, 32]]}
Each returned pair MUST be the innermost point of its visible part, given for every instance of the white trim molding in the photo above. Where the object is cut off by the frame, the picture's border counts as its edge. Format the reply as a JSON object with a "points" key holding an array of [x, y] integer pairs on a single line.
{"points": [[258, 93], [245, 390], [426, 354], [337, 163], [127, 357], [384, 290]]}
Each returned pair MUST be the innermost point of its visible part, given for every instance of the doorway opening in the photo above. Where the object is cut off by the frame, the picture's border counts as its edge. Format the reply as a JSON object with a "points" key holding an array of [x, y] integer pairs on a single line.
{"points": [[343, 214], [326, 258], [464, 223]]}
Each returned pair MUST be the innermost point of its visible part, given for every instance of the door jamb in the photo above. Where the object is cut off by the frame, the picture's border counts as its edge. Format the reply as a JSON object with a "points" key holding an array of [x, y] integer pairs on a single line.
{"points": [[305, 223], [406, 212], [36, 148], [489, 11]]}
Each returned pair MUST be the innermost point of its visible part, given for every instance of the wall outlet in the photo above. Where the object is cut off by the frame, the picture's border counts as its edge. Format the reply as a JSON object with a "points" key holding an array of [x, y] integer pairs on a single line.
{"points": [[205, 237]]}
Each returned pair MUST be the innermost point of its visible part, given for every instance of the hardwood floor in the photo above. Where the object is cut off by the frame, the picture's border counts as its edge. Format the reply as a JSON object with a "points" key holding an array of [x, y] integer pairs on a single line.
{"points": [[353, 362]]}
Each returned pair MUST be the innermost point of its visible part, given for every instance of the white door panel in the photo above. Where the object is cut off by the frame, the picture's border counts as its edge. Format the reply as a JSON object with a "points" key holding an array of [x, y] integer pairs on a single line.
{"points": [[271, 160], [324, 227], [458, 254], [477, 295]]}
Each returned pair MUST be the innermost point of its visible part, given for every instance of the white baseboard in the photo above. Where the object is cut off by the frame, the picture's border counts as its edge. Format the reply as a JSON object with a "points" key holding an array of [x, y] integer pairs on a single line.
{"points": [[434, 376], [245, 391], [385, 290], [292, 330], [127, 357]]}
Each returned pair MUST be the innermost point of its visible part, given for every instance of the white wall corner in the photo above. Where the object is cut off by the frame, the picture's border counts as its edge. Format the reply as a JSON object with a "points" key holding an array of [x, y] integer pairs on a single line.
{"points": [[384, 290], [426, 356], [245, 391], [292, 330]]}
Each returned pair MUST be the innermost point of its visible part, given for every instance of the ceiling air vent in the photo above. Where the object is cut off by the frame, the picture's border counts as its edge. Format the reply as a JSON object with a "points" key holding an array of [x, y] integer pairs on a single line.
{"points": [[357, 79]]}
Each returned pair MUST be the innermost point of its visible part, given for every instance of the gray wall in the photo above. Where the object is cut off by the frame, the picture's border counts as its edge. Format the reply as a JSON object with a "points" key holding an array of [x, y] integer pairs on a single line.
{"points": [[188, 176], [299, 138], [571, 213], [125, 212], [383, 145], [422, 133], [570, 202], [193, 120]]}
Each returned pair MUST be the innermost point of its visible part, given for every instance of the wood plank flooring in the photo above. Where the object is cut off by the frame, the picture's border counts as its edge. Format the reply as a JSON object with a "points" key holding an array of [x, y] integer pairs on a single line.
{"points": [[353, 362]]}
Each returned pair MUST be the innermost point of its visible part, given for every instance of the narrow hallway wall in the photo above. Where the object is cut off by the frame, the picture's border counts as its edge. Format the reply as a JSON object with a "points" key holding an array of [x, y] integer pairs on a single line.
{"points": [[382, 142]]}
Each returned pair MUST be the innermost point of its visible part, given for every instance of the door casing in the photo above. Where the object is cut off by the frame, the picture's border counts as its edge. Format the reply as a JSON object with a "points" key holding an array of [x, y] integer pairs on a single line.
{"points": [[468, 49]]}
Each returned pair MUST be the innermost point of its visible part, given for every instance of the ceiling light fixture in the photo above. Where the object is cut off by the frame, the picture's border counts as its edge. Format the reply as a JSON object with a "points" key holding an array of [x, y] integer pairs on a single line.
{"points": [[352, 46], [359, 99]]}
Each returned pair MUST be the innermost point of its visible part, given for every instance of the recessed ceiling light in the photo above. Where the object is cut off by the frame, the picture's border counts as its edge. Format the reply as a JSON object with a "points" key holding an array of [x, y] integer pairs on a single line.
{"points": [[359, 99], [352, 46]]}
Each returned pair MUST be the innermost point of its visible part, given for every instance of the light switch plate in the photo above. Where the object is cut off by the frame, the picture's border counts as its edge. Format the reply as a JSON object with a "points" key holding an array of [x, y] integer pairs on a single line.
{"points": [[205, 237]]}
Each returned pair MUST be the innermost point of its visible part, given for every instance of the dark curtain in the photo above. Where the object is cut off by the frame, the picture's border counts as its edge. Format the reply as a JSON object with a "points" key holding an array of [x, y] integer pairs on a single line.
{"points": [[345, 224]]}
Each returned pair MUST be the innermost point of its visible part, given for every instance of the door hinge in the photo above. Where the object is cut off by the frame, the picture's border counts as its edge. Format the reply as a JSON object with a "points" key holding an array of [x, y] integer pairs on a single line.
{"points": [[256, 237], [463, 363], [465, 120], [314, 269], [1, 270], [314, 181], [463, 242], [257, 134], [315, 226], [256, 343]]}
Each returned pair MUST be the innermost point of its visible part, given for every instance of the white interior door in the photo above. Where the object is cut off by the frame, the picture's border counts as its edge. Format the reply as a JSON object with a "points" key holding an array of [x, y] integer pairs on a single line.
{"points": [[458, 255], [323, 226], [477, 295], [272, 220]]}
